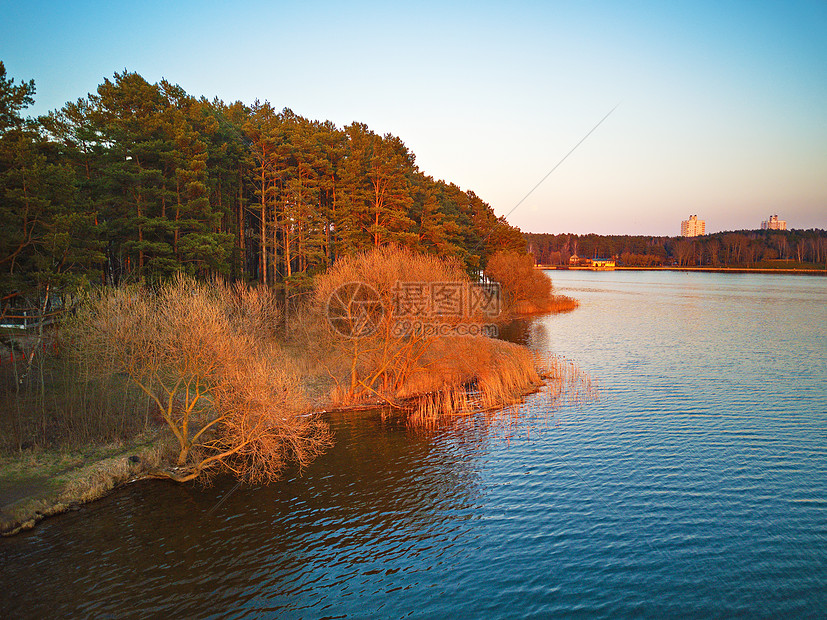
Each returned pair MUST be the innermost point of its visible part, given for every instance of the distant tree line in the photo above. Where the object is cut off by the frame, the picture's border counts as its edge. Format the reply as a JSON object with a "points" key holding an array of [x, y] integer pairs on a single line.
{"points": [[745, 248], [139, 181]]}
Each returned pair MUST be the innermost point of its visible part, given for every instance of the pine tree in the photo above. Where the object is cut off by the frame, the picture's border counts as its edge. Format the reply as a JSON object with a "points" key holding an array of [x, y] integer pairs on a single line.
{"points": [[48, 245], [260, 130]]}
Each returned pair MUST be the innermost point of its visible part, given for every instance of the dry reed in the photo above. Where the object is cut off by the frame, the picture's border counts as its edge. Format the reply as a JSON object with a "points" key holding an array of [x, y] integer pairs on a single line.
{"points": [[563, 384], [430, 377]]}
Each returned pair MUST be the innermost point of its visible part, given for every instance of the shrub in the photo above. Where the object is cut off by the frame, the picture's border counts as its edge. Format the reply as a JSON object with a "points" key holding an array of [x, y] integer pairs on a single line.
{"points": [[374, 366], [525, 289], [414, 370]]}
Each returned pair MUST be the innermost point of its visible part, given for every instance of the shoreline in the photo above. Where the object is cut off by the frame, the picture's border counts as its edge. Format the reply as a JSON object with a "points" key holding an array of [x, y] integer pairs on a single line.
{"points": [[58, 482], [42, 484], [808, 272], [432, 379]]}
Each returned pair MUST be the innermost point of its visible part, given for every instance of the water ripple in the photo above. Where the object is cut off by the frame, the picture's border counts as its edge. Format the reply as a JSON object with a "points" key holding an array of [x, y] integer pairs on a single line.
{"points": [[696, 485]]}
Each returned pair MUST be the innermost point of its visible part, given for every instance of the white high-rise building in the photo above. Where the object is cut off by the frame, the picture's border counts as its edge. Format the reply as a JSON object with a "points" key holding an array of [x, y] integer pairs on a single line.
{"points": [[774, 224], [693, 227]]}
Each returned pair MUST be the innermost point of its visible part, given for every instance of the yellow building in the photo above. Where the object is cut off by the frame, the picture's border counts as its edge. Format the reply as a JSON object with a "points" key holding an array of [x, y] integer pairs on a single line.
{"points": [[603, 263], [693, 227], [774, 224]]}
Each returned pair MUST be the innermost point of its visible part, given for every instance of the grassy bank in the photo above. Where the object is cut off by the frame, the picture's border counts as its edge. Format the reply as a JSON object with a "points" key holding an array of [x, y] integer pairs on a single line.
{"points": [[38, 483]]}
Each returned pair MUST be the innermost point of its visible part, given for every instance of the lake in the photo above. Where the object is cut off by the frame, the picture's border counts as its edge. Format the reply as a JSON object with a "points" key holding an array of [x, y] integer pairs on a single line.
{"points": [[696, 485]]}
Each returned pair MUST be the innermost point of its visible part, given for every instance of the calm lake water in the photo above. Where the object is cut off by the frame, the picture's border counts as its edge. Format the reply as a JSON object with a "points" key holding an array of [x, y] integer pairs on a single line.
{"points": [[695, 486]]}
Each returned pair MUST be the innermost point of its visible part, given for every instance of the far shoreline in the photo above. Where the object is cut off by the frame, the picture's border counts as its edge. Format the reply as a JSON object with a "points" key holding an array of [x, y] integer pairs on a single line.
{"points": [[808, 272]]}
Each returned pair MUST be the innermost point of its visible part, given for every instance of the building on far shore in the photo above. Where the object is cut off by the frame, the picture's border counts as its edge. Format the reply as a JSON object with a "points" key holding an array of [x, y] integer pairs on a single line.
{"points": [[693, 227], [600, 264], [594, 264], [774, 223]]}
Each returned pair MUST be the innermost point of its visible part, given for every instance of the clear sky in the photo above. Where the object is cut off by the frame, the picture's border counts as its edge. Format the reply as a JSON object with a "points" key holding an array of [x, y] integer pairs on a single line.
{"points": [[721, 106]]}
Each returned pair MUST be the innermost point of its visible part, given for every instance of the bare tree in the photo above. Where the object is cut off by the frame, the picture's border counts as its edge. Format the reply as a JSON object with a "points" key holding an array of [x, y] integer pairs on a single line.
{"points": [[800, 250], [204, 354]]}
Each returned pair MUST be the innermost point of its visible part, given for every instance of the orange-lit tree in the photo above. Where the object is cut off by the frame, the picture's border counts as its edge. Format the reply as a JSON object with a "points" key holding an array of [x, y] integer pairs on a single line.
{"points": [[206, 357], [525, 289]]}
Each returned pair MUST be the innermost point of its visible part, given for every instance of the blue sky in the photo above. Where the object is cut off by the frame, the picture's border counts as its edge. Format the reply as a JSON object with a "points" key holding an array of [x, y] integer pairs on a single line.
{"points": [[721, 106]]}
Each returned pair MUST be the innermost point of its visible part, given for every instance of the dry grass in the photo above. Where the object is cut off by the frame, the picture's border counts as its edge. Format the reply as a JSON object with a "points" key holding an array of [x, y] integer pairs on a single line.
{"points": [[553, 305], [458, 375], [567, 383], [562, 383]]}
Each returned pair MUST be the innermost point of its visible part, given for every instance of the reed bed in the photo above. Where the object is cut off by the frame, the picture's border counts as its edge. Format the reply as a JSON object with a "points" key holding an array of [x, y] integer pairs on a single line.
{"points": [[429, 377], [554, 304], [507, 412], [466, 374]]}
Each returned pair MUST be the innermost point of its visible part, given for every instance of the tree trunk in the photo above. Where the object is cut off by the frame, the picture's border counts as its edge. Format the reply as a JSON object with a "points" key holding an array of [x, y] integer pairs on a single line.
{"points": [[263, 259]]}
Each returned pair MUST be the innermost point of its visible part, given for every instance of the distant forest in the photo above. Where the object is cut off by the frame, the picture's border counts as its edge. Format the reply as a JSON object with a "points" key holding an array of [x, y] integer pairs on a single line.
{"points": [[745, 248], [138, 181]]}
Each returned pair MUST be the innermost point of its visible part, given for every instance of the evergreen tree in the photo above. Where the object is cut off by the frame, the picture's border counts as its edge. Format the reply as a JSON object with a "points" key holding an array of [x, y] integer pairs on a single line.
{"points": [[172, 183], [48, 245]]}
